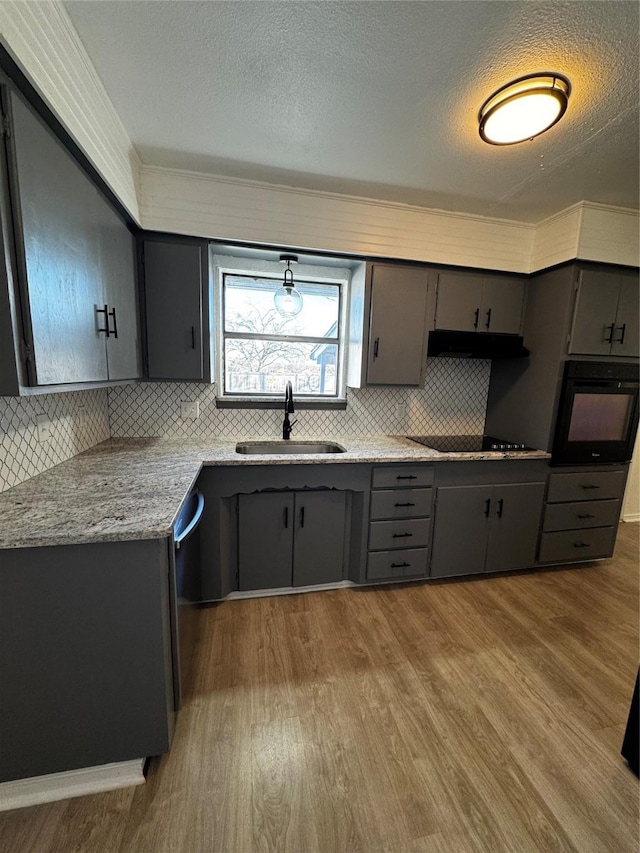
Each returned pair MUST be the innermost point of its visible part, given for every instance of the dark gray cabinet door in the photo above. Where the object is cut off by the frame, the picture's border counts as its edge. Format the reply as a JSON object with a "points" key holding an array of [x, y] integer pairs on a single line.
{"points": [[174, 282], [397, 331], [318, 545], [461, 526], [626, 335], [118, 265], [459, 302], [502, 304], [265, 540], [61, 285], [594, 319], [516, 511]]}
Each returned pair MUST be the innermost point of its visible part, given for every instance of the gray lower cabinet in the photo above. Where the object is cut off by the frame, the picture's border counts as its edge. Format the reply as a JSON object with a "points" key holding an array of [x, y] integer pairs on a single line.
{"points": [[86, 660], [486, 528], [290, 538], [176, 304], [71, 263]]}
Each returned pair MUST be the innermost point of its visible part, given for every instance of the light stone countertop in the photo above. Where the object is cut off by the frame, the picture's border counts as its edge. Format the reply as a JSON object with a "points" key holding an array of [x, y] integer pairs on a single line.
{"points": [[127, 489]]}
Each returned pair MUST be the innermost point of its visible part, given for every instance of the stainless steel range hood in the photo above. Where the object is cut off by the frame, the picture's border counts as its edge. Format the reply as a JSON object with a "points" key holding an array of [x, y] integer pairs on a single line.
{"points": [[452, 344]]}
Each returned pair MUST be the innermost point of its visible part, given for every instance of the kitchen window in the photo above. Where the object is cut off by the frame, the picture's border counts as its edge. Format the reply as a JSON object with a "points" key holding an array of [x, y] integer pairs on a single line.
{"points": [[259, 349]]}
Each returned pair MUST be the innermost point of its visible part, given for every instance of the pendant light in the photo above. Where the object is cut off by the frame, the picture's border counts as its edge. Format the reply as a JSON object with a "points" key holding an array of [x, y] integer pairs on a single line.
{"points": [[524, 108], [287, 300]]}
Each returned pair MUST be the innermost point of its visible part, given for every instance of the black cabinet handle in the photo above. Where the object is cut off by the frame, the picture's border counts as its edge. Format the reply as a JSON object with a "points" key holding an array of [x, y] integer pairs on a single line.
{"points": [[301, 516], [376, 347], [586, 515], [193, 337], [487, 507], [608, 336], [400, 565], [488, 323], [588, 486], [408, 504], [623, 329], [406, 477], [500, 508], [104, 311], [286, 516], [115, 322], [401, 535], [476, 314], [581, 545]]}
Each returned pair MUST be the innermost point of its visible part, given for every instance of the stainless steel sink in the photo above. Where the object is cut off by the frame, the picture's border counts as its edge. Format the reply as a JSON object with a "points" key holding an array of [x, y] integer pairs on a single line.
{"points": [[288, 447]]}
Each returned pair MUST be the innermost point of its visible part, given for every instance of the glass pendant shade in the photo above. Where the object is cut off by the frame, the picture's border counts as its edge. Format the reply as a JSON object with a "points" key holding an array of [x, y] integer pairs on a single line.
{"points": [[287, 300], [524, 108]]}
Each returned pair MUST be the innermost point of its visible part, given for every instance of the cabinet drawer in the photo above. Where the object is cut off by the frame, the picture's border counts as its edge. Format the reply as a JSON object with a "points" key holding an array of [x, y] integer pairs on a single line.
{"points": [[586, 544], [398, 564], [586, 487], [413, 533], [579, 514], [400, 476], [401, 503]]}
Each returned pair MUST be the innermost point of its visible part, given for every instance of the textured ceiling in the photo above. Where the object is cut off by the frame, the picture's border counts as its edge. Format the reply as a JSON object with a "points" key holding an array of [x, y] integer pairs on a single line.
{"points": [[377, 99]]}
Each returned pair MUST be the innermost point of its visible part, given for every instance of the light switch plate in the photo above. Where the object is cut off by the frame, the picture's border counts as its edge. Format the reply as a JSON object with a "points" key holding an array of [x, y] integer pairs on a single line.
{"points": [[189, 410], [43, 425]]}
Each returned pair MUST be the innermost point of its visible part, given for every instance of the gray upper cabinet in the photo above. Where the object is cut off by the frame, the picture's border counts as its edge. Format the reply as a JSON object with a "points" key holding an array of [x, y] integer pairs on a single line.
{"points": [[397, 329], [176, 300], [605, 319], [470, 302], [74, 262]]}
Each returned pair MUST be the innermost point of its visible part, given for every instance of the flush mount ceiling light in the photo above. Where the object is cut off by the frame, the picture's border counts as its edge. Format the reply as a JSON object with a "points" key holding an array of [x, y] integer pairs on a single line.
{"points": [[287, 300], [524, 108]]}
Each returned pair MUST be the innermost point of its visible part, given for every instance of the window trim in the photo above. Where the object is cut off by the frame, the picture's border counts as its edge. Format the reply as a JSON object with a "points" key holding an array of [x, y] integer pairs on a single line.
{"points": [[306, 273]]}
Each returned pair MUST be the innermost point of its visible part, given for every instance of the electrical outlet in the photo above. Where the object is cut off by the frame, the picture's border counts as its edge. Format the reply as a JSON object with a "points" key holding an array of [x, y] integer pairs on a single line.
{"points": [[401, 410], [189, 410], [43, 425]]}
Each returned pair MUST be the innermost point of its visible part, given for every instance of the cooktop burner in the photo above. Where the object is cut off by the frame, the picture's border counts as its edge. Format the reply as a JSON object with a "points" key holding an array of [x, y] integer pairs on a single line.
{"points": [[468, 443]]}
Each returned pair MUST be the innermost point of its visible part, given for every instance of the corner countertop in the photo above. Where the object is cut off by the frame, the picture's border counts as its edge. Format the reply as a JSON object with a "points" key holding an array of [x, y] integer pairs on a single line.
{"points": [[124, 489]]}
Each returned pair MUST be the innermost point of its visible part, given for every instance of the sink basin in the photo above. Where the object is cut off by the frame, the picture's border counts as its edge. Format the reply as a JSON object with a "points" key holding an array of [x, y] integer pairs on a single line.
{"points": [[288, 447]]}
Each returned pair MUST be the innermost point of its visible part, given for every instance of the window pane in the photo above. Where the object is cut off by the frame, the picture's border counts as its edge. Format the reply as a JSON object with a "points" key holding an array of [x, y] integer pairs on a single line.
{"points": [[263, 367], [248, 307]]}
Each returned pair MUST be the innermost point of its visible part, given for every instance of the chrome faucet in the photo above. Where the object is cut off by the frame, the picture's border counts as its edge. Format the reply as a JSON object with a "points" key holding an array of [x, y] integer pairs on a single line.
{"points": [[287, 425]]}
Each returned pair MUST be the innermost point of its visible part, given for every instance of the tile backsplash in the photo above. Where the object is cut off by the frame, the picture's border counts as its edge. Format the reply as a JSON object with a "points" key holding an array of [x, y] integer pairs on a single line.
{"points": [[78, 420], [453, 400]]}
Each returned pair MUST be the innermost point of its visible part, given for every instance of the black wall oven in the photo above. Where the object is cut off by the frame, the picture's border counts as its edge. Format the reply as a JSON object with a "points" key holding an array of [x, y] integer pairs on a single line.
{"points": [[598, 413]]}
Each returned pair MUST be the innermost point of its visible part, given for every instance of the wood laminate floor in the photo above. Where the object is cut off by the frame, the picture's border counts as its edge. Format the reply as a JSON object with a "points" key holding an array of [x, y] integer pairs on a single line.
{"points": [[479, 715]]}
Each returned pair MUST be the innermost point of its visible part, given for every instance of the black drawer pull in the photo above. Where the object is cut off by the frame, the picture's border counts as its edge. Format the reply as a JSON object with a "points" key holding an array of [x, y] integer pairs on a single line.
{"points": [[589, 486], [487, 507], [105, 311], [585, 515], [477, 318], [376, 347], [408, 504], [500, 508], [488, 323], [581, 545], [193, 337], [608, 336], [623, 329], [286, 516], [400, 565], [401, 535], [406, 477], [301, 516]]}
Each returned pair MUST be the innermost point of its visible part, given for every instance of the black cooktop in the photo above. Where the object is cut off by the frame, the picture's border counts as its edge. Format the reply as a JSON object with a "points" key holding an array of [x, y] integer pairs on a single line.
{"points": [[468, 443]]}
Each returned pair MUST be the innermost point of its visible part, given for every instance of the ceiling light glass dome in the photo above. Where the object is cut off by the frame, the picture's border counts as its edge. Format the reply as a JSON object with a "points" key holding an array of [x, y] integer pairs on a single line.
{"points": [[524, 108]]}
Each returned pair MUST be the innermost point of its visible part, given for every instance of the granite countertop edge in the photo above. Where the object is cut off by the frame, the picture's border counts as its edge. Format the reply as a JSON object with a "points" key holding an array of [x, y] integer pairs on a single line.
{"points": [[128, 489]]}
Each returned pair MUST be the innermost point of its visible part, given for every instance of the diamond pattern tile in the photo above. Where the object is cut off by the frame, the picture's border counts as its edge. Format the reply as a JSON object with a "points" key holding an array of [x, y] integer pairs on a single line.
{"points": [[454, 399], [79, 419]]}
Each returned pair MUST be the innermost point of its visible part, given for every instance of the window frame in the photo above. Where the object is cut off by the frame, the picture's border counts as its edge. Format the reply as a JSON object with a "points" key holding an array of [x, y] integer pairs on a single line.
{"points": [[262, 268]]}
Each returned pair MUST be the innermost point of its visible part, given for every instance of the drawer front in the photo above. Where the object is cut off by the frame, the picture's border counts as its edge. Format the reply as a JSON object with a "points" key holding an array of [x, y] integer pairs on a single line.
{"points": [[398, 564], [598, 485], [566, 545], [402, 476], [401, 503], [413, 533], [581, 514]]}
